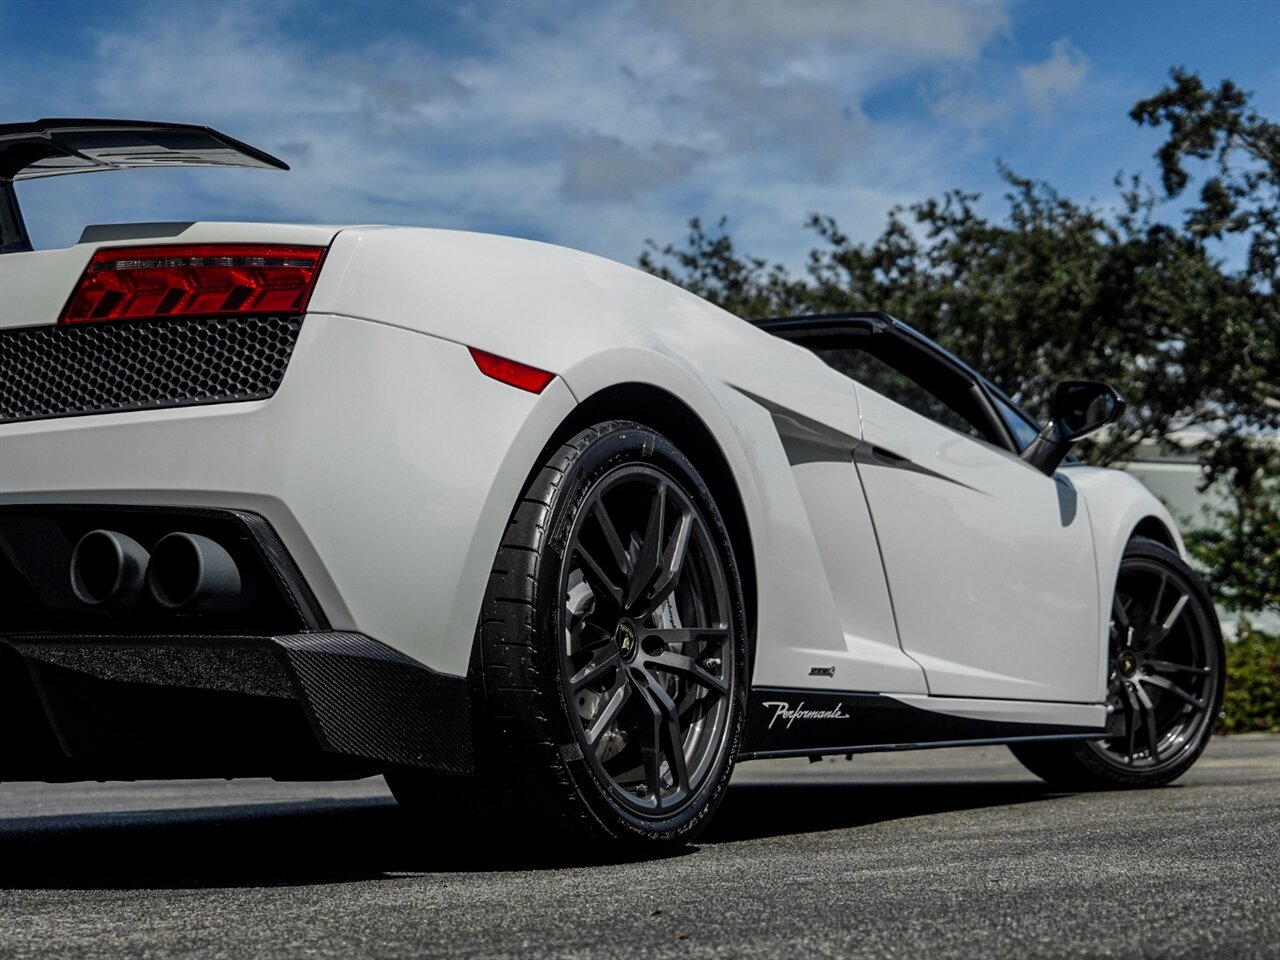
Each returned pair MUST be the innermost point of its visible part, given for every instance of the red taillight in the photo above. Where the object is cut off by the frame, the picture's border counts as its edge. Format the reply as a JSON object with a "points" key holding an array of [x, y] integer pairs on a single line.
{"points": [[511, 372], [129, 283]]}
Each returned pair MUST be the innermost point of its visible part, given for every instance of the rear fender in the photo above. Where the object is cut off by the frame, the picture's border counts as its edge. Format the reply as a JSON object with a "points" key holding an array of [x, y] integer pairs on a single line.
{"points": [[793, 597]]}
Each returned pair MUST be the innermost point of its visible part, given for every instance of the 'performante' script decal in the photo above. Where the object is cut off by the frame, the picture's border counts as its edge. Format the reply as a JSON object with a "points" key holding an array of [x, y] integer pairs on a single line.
{"points": [[783, 711]]}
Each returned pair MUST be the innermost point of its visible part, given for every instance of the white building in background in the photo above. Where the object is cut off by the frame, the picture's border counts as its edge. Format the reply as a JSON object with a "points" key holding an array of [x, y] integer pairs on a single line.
{"points": [[1175, 478]]}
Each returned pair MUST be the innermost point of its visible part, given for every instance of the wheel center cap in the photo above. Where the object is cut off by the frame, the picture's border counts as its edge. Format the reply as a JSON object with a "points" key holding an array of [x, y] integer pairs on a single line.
{"points": [[1128, 664], [626, 638]]}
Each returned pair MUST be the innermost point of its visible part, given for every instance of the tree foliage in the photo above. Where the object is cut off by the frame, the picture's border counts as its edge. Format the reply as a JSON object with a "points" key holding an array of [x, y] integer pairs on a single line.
{"points": [[1242, 193], [1252, 699], [1239, 549], [1143, 297]]}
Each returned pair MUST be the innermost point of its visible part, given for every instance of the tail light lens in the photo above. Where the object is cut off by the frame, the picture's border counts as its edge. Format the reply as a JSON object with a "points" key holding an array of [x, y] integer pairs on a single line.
{"points": [[223, 279]]}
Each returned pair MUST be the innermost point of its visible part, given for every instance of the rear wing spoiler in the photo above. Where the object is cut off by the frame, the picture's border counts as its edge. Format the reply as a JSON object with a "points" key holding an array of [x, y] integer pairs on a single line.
{"points": [[51, 148]]}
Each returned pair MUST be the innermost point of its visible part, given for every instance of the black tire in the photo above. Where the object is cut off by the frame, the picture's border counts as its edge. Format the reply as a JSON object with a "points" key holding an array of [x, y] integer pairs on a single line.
{"points": [[552, 762], [1165, 681]]}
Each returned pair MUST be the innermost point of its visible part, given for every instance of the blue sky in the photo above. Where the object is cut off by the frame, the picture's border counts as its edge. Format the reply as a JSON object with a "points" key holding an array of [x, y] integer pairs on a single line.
{"points": [[598, 125]]}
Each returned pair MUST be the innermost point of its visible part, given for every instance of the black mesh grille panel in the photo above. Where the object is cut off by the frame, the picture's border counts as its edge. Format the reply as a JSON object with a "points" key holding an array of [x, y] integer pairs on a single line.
{"points": [[73, 369]]}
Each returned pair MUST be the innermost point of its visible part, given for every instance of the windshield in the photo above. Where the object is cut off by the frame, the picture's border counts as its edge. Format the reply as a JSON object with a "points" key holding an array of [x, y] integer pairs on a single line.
{"points": [[1020, 424]]}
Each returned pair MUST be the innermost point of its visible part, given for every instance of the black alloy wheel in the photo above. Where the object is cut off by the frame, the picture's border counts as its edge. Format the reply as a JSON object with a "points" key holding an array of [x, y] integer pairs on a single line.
{"points": [[1164, 683], [1164, 671], [646, 660]]}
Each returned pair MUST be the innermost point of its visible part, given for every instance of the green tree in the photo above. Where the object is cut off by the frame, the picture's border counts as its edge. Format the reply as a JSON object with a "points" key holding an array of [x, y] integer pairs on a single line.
{"points": [[1241, 193], [1239, 548], [1252, 701]]}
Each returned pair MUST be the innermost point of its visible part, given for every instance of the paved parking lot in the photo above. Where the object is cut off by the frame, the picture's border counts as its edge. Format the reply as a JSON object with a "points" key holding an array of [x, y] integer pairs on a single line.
{"points": [[953, 853]]}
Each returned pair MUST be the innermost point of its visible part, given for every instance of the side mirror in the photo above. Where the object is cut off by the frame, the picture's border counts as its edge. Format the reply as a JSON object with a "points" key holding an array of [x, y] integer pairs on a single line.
{"points": [[1079, 408]]}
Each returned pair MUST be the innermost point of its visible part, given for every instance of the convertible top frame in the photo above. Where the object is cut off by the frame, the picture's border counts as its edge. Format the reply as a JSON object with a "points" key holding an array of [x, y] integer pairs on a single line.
{"points": [[799, 329]]}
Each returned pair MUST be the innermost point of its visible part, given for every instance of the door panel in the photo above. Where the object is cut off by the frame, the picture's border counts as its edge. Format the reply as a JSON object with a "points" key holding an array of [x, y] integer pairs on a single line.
{"points": [[871, 658], [990, 563]]}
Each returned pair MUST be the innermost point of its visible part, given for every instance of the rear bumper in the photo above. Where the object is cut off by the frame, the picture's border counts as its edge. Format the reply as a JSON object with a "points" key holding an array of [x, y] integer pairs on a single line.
{"points": [[303, 706], [383, 469], [386, 463]]}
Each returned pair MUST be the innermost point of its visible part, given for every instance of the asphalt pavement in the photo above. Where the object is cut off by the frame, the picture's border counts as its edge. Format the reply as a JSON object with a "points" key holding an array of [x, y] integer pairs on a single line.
{"points": [[955, 853]]}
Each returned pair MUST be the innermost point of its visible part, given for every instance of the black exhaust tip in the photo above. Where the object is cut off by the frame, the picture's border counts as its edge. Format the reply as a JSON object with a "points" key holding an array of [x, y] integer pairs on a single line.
{"points": [[193, 574], [108, 570]]}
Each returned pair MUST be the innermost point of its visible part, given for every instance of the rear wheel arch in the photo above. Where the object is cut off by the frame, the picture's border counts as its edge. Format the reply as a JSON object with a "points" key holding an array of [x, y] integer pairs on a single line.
{"points": [[674, 419]]}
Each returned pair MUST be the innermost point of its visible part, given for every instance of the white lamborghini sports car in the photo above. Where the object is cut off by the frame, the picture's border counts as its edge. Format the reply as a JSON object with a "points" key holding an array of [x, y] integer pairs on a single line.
{"points": [[518, 526]]}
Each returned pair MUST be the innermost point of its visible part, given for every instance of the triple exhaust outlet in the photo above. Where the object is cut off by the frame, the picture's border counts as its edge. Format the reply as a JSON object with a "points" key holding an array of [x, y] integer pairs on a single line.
{"points": [[184, 573]]}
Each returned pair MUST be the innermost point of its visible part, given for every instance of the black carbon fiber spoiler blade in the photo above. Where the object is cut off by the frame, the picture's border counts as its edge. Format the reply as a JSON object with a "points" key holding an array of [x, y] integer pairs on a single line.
{"points": [[52, 148]]}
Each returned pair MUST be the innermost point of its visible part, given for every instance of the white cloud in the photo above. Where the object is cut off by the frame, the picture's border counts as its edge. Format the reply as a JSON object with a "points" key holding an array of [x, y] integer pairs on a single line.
{"points": [[973, 107], [594, 125], [603, 168], [1044, 84], [923, 30]]}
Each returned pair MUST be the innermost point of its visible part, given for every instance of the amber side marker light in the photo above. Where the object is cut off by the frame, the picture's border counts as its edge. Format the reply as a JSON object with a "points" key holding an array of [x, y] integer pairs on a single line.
{"points": [[211, 279], [510, 372]]}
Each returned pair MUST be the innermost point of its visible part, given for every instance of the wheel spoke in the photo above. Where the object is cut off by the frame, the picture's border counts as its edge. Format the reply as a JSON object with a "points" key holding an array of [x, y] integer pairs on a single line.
{"points": [[586, 635], [1165, 684], [618, 698], [651, 743], [602, 661], [674, 746], [1119, 613], [1156, 603], [646, 567], [1149, 716], [670, 565], [1164, 666], [693, 705], [684, 666], [1135, 711], [596, 578], [676, 635], [1171, 619], [619, 552]]}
